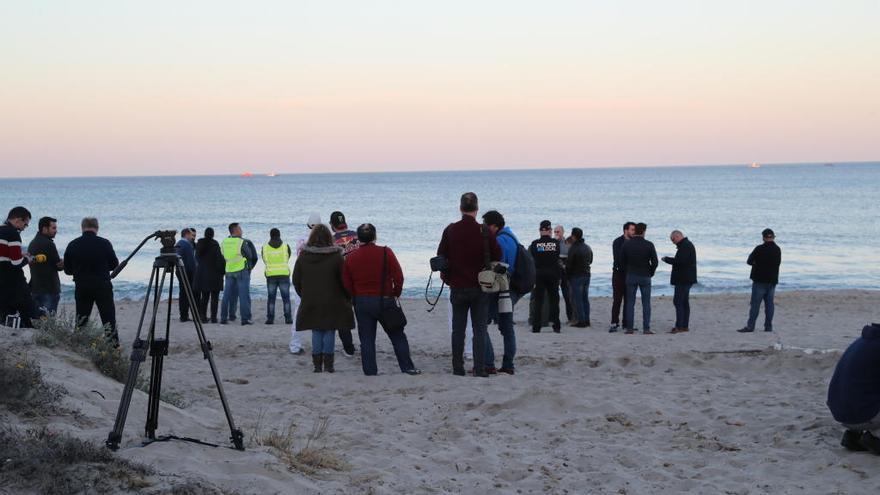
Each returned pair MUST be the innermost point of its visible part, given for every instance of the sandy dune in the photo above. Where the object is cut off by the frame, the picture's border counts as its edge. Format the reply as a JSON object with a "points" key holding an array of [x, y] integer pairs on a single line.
{"points": [[711, 411]]}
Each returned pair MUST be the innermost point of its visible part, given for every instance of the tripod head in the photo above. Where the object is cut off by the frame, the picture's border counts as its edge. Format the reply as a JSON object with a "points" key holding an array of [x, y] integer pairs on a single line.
{"points": [[166, 237]]}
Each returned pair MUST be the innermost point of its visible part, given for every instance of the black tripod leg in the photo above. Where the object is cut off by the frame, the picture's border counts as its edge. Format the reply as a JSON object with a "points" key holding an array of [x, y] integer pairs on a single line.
{"points": [[237, 436], [158, 351], [138, 356]]}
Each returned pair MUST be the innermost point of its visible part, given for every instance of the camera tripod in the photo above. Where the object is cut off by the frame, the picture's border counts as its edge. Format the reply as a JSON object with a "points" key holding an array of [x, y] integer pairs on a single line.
{"points": [[166, 265]]}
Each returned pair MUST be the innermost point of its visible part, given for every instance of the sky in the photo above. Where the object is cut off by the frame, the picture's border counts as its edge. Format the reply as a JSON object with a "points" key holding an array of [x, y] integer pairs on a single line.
{"points": [[122, 87]]}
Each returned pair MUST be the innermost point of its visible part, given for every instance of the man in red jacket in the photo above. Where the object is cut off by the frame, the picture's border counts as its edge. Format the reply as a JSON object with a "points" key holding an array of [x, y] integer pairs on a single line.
{"points": [[362, 275], [468, 249]]}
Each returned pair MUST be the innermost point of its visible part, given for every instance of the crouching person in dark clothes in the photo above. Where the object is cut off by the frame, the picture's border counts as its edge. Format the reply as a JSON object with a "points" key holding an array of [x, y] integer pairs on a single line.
{"points": [[372, 276], [854, 392], [90, 259]]}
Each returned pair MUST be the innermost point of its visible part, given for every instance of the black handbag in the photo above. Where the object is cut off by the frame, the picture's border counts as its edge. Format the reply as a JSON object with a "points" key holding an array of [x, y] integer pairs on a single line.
{"points": [[391, 318]]}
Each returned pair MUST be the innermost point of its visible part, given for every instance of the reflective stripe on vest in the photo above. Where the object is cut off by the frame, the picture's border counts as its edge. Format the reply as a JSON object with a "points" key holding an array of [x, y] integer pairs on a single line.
{"points": [[276, 260], [231, 248]]}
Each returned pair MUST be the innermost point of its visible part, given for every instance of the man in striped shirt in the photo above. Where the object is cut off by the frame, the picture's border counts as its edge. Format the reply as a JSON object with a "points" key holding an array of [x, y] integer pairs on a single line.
{"points": [[15, 295]]}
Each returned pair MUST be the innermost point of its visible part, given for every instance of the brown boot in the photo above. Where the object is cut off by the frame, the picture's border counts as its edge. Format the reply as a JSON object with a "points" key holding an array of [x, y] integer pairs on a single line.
{"points": [[318, 360], [328, 363]]}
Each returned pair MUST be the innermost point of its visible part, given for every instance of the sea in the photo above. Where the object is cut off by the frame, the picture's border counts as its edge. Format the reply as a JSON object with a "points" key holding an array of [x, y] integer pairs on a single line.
{"points": [[825, 215]]}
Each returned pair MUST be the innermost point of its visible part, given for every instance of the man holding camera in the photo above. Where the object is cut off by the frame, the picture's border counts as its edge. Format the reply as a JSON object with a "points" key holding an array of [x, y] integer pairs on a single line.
{"points": [[45, 283], [468, 249], [494, 222]]}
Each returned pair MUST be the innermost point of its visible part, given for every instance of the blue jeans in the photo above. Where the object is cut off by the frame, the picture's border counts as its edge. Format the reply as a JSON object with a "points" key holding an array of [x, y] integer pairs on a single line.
{"points": [[682, 305], [237, 287], [476, 302], [580, 294], [762, 292], [274, 284], [366, 310], [48, 301], [643, 285], [505, 326], [323, 342]]}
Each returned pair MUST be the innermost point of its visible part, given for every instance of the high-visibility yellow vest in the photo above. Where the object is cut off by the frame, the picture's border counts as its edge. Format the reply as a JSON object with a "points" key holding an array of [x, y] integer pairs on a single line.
{"points": [[231, 249], [276, 260]]}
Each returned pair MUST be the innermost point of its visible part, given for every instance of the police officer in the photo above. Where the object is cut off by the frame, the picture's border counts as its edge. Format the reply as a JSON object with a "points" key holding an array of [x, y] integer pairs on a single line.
{"points": [[545, 250], [276, 257]]}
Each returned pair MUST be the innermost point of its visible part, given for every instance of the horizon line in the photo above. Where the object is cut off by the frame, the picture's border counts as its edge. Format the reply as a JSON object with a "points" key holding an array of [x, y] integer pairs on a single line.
{"points": [[452, 170]]}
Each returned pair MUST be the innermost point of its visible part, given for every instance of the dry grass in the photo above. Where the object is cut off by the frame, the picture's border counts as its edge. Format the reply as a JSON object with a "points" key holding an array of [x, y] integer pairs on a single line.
{"points": [[22, 389], [313, 458], [40, 461]]}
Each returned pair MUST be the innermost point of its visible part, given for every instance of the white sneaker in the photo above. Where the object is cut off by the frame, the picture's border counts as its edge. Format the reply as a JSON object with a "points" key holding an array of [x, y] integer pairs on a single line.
{"points": [[297, 352]]}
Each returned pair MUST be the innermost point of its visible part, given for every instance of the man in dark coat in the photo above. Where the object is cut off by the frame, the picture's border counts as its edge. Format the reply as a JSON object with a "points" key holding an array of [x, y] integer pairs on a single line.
{"points": [[15, 295], [45, 284], [210, 268], [854, 391], [90, 259], [683, 277], [639, 259], [186, 250], [545, 250], [764, 260], [468, 249], [618, 276]]}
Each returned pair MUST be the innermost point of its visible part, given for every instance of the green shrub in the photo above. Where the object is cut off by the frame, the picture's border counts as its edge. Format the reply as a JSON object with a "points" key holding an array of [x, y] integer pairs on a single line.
{"points": [[89, 341]]}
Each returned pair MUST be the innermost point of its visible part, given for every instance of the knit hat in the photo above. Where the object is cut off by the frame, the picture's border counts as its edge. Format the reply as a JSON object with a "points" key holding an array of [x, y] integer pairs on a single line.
{"points": [[337, 219], [546, 225], [314, 219], [768, 233]]}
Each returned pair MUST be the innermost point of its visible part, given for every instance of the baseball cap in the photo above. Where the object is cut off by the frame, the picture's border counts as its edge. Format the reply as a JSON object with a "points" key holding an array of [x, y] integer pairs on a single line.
{"points": [[314, 219], [546, 225], [337, 219]]}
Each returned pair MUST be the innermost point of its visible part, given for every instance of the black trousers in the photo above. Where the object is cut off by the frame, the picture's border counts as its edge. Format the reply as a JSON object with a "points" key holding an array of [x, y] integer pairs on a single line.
{"points": [[347, 340], [202, 302], [100, 294], [549, 283], [566, 294], [182, 301], [19, 300]]}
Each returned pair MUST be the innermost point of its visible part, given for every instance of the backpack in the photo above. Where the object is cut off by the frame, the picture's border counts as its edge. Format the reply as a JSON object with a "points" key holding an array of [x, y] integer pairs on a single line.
{"points": [[523, 279]]}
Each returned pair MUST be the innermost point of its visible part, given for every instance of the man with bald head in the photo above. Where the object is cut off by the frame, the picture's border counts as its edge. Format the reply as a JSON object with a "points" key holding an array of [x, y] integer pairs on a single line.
{"points": [[683, 277]]}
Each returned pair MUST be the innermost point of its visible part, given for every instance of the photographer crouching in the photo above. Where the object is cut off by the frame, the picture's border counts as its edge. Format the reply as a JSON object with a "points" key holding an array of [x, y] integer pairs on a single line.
{"points": [[468, 250]]}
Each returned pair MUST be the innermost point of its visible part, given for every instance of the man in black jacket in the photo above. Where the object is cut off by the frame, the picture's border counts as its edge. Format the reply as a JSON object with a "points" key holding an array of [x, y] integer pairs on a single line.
{"points": [[639, 259], [45, 284], [580, 257], [90, 259], [618, 276], [545, 250], [765, 260], [684, 275]]}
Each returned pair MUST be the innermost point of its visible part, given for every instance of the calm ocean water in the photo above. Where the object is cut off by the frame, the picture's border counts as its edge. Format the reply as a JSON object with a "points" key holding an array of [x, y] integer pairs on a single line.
{"points": [[825, 217]]}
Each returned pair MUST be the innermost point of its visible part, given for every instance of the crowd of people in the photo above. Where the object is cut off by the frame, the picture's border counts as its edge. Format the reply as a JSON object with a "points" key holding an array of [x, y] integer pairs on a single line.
{"points": [[343, 280]]}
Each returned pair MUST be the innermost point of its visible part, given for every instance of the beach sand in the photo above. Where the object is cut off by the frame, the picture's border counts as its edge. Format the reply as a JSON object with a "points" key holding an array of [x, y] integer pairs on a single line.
{"points": [[709, 411]]}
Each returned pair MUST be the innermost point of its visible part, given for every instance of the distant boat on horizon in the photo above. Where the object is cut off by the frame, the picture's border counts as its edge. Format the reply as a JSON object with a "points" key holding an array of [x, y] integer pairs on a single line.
{"points": [[829, 164], [271, 174], [246, 174], [755, 165]]}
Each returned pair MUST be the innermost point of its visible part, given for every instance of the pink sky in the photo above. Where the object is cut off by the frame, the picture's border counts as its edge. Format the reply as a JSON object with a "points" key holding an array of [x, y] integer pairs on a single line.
{"points": [[300, 87]]}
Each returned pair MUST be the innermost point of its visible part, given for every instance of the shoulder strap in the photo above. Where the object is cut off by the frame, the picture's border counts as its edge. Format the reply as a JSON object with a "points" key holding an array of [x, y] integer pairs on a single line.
{"points": [[384, 272], [487, 259]]}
